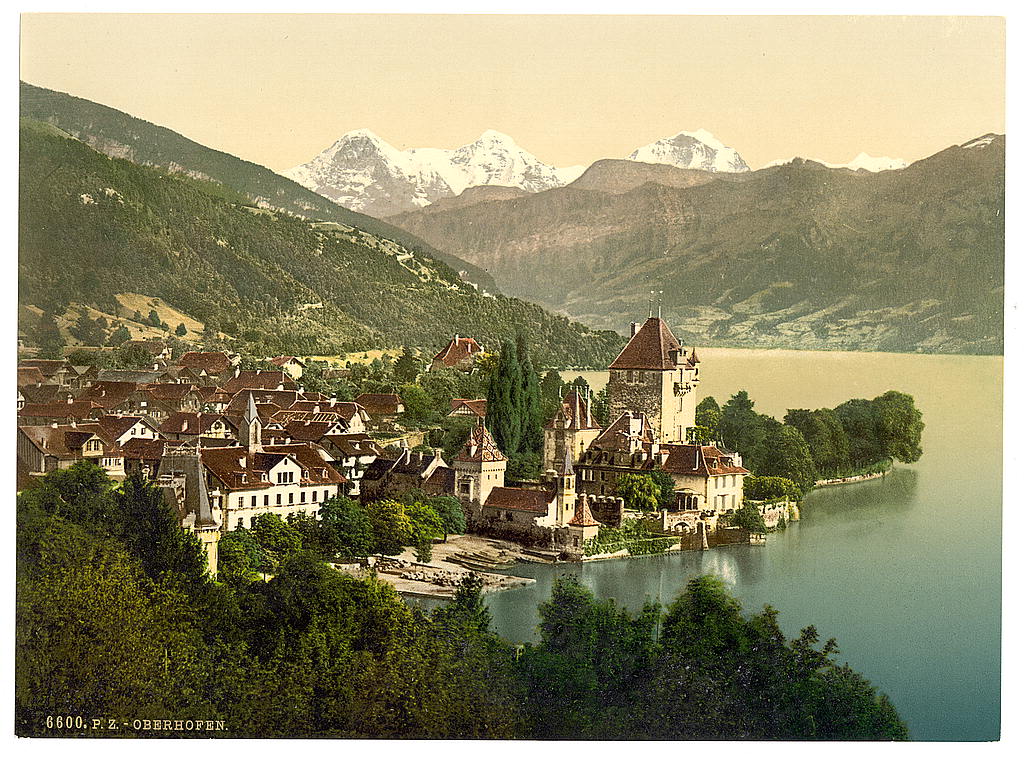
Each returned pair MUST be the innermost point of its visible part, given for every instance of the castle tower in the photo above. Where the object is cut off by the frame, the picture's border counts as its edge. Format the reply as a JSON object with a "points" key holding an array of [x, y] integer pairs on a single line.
{"points": [[654, 376], [573, 426], [182, 477], [250, 434], [582, 526], [479, 468], [565, 487]]}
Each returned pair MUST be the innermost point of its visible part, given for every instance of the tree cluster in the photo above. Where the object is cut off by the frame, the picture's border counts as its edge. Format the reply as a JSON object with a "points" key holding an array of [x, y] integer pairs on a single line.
{"points": [[116, 618]]}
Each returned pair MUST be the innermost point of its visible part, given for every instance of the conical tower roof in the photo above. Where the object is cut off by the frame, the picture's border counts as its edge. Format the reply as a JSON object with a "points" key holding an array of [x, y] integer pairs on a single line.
{"points": [[565, 468], [583, 517]]}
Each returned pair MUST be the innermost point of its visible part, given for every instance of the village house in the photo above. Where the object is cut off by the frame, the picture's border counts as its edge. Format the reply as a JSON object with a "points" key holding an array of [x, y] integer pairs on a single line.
{"points": [[254, 479], [471, 408], [121, 429], [191, 426], [383, 409], [214, 366], [53, 371], [289, 364], [42, 449], [458, 354], [392, 476], [351, 454], [33, 414]]}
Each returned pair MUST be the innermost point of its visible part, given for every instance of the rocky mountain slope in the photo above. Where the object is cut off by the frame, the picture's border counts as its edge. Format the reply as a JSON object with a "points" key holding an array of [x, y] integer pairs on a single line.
{"points": [[798, 255], [92, 228], [364, 172], [698, 150], [123, 136]]}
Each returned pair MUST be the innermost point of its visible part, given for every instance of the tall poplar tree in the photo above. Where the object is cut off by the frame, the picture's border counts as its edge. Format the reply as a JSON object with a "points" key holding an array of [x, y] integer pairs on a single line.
{"points": [[531, 410]]}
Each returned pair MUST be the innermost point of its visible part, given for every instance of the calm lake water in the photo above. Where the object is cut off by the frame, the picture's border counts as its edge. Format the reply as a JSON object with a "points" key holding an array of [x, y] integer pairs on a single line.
{"points": [[903, 572]]}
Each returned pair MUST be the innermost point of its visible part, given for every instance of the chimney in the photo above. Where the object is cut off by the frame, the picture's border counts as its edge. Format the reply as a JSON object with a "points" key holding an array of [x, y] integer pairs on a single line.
{"points": [[456, 339], [632, 329], [334, 400]]}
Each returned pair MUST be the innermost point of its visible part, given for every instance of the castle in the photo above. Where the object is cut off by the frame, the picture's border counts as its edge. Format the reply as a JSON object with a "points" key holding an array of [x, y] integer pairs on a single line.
{"points": [[652, 410]]}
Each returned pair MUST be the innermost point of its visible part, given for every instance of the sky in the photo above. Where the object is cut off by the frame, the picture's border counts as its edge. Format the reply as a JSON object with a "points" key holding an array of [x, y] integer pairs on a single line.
{"points": [[278, 89]]}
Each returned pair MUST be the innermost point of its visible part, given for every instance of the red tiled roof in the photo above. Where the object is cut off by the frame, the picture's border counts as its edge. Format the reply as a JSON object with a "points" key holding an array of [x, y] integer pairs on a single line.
{"points": [[458, 350], [533, 500], [211, 362], [476, 407], [583, 517], [281, 360], [47, 367], [115, 426], [354, 444], [145, 449], [119, 390], [651, 348], [169, 391], [480, 447], [189, 423], [66, 440], [380, 403], [699, 460]]}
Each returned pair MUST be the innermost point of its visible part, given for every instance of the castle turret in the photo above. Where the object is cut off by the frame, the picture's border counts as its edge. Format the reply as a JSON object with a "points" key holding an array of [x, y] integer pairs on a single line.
{"points": [[250, 434], [565, 486], [479, 468], [653, 375], [573, 426]]}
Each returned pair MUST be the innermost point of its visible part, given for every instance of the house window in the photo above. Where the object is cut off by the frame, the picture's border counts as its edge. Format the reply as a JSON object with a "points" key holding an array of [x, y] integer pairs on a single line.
{"points": [[278, 499], [291, 498], [241, 501], [253, 502], [302, 497], [314, 496], [266, 499]]}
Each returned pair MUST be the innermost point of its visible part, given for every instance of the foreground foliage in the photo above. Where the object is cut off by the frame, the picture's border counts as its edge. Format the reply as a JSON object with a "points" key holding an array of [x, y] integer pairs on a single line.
{"points": [[116, 619]]}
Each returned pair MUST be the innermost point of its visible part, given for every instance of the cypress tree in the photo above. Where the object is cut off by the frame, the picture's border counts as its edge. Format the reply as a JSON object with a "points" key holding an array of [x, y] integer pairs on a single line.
{"points": [[504, 401]]}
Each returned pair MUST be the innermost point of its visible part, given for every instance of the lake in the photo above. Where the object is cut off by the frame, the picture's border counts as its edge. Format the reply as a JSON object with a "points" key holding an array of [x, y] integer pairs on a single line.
{"points": [[904, 572]]}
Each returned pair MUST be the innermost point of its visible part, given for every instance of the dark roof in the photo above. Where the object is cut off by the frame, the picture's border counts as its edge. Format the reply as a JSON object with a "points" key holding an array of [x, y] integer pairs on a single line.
{"points": [[281, 360], [146, 449], [480, 447], [170, 391], [44, 393], [699, 460], [651, 348], [66, 440], [309, 431], [46, 367], [441, 481], [279, 398], [211, 362], [520, 499], [575, 412], [115, 426], [189, 423], [458, 350], [133, 376], [30, 375], [80, 409], [626, 427]]}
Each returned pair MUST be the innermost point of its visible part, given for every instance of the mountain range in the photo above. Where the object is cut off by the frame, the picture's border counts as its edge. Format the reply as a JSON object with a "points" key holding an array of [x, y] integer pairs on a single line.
{"points": [[798, 255]]}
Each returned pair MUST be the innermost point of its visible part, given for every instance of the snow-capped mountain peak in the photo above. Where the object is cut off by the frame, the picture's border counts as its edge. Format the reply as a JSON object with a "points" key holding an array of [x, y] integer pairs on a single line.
{"points": [[698, 150], [364, 172]]}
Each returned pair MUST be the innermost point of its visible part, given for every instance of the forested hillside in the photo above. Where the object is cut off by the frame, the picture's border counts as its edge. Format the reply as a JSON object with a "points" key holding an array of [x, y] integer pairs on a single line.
{"points": [[123, 136], [91, 226]]}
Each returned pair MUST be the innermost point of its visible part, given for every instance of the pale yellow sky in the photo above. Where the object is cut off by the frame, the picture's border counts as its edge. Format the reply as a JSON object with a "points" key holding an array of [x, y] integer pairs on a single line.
{"points": [[277, 89]]}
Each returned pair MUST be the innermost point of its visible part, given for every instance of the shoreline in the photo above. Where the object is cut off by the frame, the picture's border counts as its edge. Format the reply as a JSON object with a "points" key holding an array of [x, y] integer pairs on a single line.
{"points": [[851, 480]]}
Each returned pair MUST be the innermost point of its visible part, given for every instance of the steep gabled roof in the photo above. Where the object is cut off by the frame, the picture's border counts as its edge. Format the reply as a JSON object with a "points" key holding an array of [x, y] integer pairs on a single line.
{"points": [[628, 426], [574, 413], [458, 350], [533, 500], [211, 362], [475, 407], [380, 403], [650, 348], [699, 460], [480, 447]]}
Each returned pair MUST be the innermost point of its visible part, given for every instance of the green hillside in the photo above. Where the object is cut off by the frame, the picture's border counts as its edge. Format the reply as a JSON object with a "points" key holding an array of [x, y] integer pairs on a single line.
{"points": [[123, 136], [92, 226]]}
